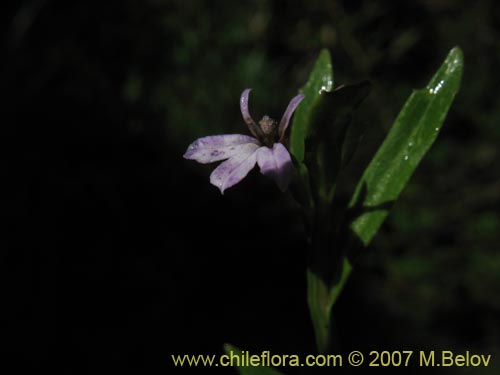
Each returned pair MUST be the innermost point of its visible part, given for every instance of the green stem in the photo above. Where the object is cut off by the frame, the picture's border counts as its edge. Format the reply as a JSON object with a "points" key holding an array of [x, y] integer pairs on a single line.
{"points": [[318, 274], [317, 298], [328, 269]]}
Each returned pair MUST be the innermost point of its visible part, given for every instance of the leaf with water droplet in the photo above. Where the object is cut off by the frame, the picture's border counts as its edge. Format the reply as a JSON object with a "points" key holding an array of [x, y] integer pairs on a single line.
{"points": [[409, 139], [320, 79]]}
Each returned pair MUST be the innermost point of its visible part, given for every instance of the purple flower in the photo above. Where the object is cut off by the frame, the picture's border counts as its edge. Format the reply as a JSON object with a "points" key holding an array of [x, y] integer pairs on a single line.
{"points": [[242, 151]]}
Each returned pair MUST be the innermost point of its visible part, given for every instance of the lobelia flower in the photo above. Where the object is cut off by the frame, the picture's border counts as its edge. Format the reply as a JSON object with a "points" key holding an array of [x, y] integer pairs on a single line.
{"points": [[242, 151]]}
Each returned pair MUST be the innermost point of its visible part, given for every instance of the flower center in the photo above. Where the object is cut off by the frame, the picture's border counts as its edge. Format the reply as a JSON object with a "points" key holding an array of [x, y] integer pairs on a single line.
{"points": [[269, 129]]}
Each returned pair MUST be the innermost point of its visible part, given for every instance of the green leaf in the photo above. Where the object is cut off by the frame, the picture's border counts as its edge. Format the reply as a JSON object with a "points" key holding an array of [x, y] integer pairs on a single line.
{"points": [[412, 134], [356, 130], [321, 78], [324, 144], [249, 370]]}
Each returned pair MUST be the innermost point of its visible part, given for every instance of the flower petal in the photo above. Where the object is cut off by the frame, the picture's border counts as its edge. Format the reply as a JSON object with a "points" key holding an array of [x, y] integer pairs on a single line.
{"points": [[236, 168], [292, 106], [218, 147], [252, 125], [276, 163]]}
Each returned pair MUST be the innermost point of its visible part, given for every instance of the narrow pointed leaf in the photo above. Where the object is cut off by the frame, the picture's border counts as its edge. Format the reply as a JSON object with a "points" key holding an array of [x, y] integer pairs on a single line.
{"points": [[320, 79], [412, 134], [249, 370]]}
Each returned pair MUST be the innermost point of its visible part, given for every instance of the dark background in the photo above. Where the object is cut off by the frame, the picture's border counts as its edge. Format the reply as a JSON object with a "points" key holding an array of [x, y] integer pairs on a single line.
{"points": [[117, 253]]}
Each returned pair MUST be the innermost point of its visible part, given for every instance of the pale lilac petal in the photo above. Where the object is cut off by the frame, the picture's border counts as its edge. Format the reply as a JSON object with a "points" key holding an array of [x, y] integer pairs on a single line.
{"points": [[218, 147], [276, 163], [235, 169], [252, 126], [292, 106]]}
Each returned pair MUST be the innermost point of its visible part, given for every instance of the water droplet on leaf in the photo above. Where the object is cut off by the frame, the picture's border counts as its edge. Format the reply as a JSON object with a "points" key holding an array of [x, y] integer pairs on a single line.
{"points": [[435, 90]]}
